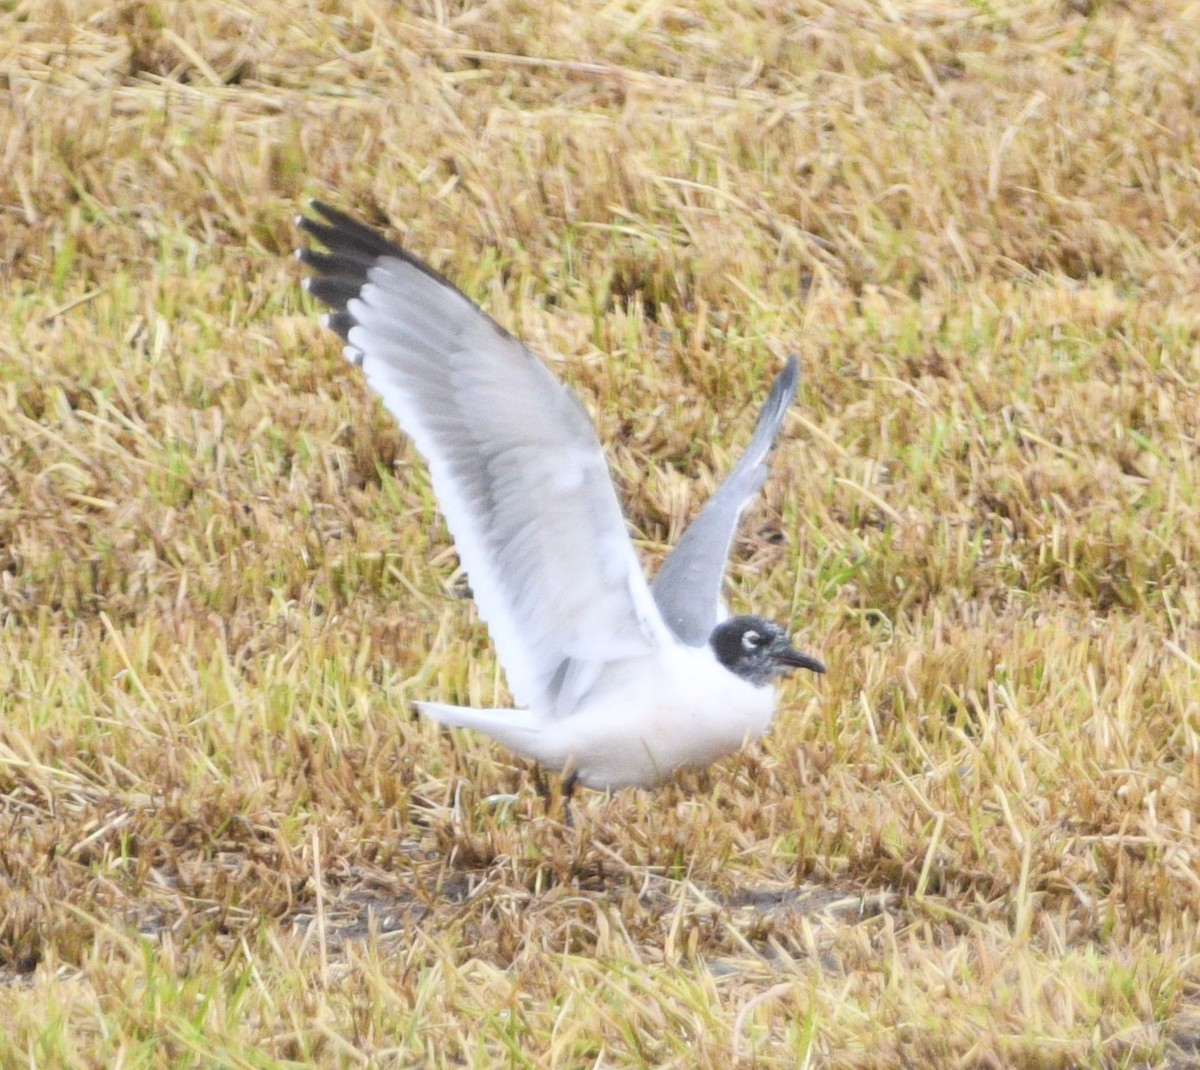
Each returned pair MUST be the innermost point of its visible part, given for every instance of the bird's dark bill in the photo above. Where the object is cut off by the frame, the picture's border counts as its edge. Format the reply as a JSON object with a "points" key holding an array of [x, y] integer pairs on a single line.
{"points": [[794, 659]]}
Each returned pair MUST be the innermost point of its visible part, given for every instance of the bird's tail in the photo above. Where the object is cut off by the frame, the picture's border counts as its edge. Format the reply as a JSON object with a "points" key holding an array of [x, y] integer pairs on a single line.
{"points": [[515, 729]]}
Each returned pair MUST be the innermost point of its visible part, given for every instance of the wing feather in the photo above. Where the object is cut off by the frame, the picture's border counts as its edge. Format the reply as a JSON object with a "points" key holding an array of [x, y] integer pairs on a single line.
{"points": [[513, 457], [688, 585]]}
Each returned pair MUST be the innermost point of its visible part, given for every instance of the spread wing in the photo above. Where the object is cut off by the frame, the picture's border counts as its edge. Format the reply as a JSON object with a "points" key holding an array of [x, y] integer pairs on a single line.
{"points": [[688, 586], [514, 461]]}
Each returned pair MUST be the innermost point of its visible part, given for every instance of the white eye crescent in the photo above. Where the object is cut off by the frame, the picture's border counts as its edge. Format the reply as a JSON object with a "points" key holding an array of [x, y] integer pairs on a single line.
{"points": [[751, 640]]}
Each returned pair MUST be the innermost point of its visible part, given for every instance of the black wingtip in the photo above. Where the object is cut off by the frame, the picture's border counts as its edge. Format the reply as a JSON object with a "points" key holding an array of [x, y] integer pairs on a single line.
{"points": [[346, 237], [354, 248]]}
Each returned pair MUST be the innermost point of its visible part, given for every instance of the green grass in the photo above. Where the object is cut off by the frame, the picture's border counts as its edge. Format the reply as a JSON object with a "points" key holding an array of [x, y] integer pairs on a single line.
{"points": [[225, 841]]}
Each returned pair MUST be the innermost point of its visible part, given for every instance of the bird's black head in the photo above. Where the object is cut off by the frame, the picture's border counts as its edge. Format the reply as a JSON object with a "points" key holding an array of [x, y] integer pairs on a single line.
{"points": [[757, 650]]}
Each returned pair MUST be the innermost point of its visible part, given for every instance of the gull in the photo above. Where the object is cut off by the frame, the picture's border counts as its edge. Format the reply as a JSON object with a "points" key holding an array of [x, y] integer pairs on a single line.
{"points": [[619, 682]]}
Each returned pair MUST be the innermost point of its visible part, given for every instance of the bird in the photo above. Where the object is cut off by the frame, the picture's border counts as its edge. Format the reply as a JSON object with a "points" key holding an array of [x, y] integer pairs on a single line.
{"points": [[618, 682]]}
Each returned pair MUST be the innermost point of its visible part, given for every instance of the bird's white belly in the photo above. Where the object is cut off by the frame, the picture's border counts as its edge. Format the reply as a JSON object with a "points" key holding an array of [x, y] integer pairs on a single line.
{"points": [[654, 715]]}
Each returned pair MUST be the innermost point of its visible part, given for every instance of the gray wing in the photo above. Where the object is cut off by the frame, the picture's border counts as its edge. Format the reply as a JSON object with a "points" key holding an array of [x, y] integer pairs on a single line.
{"points": [[688, 586], [513, 457]]}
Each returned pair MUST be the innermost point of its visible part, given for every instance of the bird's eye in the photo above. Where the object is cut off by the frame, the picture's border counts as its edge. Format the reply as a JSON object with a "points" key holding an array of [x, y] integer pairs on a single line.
{"points": [[751, 641]]}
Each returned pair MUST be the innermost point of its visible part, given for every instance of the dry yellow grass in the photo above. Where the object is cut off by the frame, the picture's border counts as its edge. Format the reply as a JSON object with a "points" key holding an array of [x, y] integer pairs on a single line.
{"points": [[224, 842]]}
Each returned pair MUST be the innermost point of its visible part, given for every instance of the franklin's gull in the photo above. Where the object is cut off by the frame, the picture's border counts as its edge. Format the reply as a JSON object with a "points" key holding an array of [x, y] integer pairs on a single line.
{"points": [[621, 682]]}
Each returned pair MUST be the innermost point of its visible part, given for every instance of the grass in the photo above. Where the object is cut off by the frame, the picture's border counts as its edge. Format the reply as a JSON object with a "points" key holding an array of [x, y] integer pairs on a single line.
{"points": [[223, 579]]}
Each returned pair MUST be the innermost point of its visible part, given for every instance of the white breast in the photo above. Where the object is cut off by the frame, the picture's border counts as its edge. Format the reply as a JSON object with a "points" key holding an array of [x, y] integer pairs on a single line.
{"points": [[653, 715]]}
